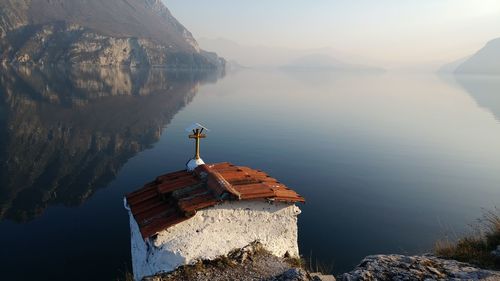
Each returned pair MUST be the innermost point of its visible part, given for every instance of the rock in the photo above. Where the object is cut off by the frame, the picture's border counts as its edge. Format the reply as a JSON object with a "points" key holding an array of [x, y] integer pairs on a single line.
{"points": [[293, 274], [398, 267], [435, 271], [321, 277], [298, 274], [241, 255], [131, 33]]}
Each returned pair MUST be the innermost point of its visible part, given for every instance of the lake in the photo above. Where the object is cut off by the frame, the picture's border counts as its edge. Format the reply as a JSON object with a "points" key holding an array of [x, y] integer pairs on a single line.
{"points": [[388, 162]]}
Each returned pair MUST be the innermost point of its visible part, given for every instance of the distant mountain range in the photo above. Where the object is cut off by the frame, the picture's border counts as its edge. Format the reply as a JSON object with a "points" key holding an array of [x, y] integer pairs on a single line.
{"points": [[485, 61], [280, 57], [325, 62], [452, 66], [97, 32]]}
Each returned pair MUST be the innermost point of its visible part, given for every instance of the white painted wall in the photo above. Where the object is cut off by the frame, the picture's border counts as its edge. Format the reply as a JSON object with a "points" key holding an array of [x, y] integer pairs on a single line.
{"points": [[216, 231]]}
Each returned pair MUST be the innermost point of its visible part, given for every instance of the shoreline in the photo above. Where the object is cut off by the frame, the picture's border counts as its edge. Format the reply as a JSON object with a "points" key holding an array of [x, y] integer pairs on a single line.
{"points": [[253, 262]]}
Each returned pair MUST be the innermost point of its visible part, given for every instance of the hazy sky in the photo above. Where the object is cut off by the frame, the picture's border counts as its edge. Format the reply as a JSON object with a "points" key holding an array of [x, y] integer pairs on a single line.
{"points": [[403, 31]]}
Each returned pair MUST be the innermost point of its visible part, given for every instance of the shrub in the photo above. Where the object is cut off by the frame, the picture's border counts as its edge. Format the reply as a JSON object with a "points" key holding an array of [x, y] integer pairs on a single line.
{"points": [[475, 248]]}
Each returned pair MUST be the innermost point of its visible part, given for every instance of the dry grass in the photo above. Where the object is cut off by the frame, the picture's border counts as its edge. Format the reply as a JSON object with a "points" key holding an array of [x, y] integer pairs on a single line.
{"points": [[321, 267], [129, 276], [125, 274], [311, 265], [475, 248], [296, 262], [188, 272]]}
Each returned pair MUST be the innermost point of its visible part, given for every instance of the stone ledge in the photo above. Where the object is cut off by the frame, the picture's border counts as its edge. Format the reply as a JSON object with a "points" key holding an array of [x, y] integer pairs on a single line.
{"points": [[427, 267]]}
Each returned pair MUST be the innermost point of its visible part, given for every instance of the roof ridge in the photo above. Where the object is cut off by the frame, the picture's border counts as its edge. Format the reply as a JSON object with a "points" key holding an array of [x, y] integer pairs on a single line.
{"points": [[217, 183]]}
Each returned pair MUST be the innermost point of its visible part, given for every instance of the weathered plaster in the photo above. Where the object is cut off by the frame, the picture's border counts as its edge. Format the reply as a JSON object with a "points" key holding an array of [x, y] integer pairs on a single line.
{"points": [[215, 231]]}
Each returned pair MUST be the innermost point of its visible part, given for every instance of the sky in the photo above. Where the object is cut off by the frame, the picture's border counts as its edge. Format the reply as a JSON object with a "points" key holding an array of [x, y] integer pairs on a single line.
{"points": [[389, 31]]}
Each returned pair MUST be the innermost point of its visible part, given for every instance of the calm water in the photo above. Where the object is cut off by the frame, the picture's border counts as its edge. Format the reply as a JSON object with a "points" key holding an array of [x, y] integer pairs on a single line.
{"points": [[388, 162]]}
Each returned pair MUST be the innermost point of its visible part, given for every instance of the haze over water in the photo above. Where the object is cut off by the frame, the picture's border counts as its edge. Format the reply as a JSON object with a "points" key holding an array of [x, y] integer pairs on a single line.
{"points": [[387, 162]]}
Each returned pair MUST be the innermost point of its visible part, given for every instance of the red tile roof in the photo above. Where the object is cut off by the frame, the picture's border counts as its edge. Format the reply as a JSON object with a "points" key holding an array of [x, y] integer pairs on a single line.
{"points": [[175, 197]]}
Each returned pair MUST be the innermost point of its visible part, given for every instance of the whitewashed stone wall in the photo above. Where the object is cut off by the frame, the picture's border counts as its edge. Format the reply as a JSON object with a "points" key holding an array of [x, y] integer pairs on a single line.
{"points": [[214, 232]]}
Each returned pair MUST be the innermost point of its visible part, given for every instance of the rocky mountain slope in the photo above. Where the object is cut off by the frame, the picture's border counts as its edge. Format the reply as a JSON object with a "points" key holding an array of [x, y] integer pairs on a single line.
{"points": [[98, 32], [485, 61]]}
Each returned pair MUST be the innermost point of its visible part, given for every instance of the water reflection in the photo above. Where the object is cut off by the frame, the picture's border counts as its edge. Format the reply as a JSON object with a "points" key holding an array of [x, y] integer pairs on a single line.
{"points": [[67, 132], [485, 90], [386, 162]]}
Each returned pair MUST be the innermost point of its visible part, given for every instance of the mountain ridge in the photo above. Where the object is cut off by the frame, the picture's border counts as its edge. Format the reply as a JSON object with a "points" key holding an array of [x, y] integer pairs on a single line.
{"points": [[99, 32], [484, 61], [261, 56], [452, 66]]}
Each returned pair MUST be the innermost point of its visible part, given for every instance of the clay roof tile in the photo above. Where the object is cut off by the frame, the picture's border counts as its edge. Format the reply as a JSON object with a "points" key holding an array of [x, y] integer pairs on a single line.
{"points": [[175, 197]]}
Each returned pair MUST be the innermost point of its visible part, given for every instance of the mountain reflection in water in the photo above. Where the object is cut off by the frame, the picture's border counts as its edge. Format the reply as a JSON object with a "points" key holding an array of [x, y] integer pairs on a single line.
{"points": [[485, 90], [67, 132], [387, 162]]}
